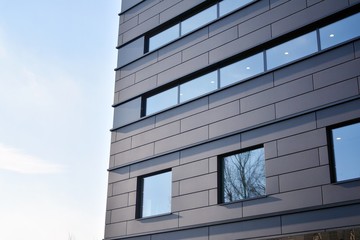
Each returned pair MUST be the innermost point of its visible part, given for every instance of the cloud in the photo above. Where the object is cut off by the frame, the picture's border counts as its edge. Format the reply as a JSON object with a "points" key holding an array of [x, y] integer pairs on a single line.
{"points": [[12, 159]]}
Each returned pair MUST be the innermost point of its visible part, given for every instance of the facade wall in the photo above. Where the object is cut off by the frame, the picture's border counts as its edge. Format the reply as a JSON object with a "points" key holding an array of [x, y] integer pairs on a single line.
{"points": [[287, 110]]}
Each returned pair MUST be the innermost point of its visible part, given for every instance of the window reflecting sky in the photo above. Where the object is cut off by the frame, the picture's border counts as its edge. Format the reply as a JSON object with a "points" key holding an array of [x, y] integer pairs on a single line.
{"points": [[127, 112], [241, 70], [346, 141], [292, 50], [162, 100], [340, 31], [198, 86], [164, 37], [199, 19], [227, 6], [156, 194]]}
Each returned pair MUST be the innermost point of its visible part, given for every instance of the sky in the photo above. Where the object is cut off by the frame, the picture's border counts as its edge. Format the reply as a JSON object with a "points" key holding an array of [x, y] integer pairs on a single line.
{"points": [[57, 61]]}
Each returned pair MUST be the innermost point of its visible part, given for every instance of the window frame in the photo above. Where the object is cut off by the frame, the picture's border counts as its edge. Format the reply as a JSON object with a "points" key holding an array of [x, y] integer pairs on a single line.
{"points": [[220, 162], [140, 195], [331, 150]]}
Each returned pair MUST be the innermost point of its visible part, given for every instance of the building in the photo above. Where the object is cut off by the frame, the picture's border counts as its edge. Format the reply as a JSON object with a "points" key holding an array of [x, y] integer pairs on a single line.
{"points": [[236, 120]]}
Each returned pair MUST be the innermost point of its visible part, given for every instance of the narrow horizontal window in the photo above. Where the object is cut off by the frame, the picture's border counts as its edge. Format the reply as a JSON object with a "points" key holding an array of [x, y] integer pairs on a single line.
{"points": [[164, 37], [199, 20], [198, 86], [227, 6], [340, 31], [155, 195], [127, 112], [346, 151], [292, 50], [162, 100], [241, 70], [243, 175]]}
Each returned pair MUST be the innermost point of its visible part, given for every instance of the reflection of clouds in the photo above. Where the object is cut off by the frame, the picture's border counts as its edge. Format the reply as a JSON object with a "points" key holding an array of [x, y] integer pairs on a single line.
{"points": [[12, 159]]}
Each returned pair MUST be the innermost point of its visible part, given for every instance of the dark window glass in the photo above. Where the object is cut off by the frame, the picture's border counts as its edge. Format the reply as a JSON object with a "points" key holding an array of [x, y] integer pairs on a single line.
{"points": [[164, 37], [198, 86], [340, 31], [346, 149], [130, 52], [156, 195], [127, 112], [162, 100], [243, 175], [199, 20], [227, 6], [292, 50], [241, 70]]}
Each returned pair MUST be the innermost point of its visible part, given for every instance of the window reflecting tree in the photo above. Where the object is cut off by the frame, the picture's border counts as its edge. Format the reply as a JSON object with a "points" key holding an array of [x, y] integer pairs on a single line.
{"points": [[244, 175]]}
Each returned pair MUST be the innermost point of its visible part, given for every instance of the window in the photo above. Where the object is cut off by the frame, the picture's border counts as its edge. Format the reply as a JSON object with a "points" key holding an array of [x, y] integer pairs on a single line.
{"points": [[162, 100], [164, 37], [242, 175], [199, 20], [127, 112], [292, 50], [154, 195], [227, 6], [340, 31], [345, 142]]}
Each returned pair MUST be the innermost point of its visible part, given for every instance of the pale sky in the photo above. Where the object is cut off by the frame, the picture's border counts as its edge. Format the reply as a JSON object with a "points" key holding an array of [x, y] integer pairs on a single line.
{"points": [[56, 89]]}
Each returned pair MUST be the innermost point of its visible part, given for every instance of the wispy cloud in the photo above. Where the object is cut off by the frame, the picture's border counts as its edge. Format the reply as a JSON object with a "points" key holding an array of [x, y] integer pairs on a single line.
{"points": [[12, 159]]}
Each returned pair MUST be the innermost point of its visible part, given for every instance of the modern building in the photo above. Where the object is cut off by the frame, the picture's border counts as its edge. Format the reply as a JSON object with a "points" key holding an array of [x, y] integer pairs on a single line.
{"points": [[236, 119]]}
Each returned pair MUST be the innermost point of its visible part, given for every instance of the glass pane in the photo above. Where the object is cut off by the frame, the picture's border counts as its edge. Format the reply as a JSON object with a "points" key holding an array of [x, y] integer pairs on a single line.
{"points": [[340, 31], [164, 37], [241, 70], [198, 86], [244, 175], [156, 195], [199, 20], [127, 112], [346, 142], [162, 100], [292, 50], [227, 6]]}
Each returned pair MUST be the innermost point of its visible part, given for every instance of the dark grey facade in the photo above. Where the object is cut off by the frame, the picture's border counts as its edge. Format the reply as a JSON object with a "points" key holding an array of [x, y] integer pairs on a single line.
{"points": [[289, 108]]}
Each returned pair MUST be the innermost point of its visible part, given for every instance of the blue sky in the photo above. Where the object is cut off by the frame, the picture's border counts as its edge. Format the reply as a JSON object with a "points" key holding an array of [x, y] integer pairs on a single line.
{"points": [[56, 89]]}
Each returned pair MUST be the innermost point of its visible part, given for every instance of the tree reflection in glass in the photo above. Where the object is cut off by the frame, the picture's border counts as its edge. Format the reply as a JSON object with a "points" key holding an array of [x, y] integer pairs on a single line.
{"points": [[244, 175]]}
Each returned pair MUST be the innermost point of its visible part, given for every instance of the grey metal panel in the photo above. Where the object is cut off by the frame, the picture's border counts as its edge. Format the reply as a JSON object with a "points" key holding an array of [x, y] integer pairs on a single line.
{"points": [[124, 186], [307, 16], [131, 52], [322, 219], [190, 170], [210, 116], [115, 230], [210, 214], [292, 162], [123, 214], [210, 149], [338, 113], [119, 174], [191, 234], [357, 48], [312, 2], [124, 82], [314, 64], [277, 94], [118, 201], [276, 3], [182, 6], [241, 90], [272, 185], [270, 150], [278, 130], [135, 128], [308, 197], [317, 98], [127, 4], [341, 192], [141, 28], [182, 140], [197, 184], [246, 229], [134, 154], [239, 45], [136, 66], [120, 146], [303, 141], [137, 89], [155, 134], [242, 121], [190, 201], [152, 224], [125, 26], [324, 155], [155, 164], [305, 178], [337, 73]]}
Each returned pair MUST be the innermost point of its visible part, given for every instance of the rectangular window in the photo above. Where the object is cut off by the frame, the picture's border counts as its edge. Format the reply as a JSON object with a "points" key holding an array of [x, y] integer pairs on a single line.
{"points": [[345, 142], [227, 6], [241, 70], [199, 20], [127, 112], [242, 175], [198, 86], [340, 31], [292, 50], [162, 100], [164, 37], [154, 196]]}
